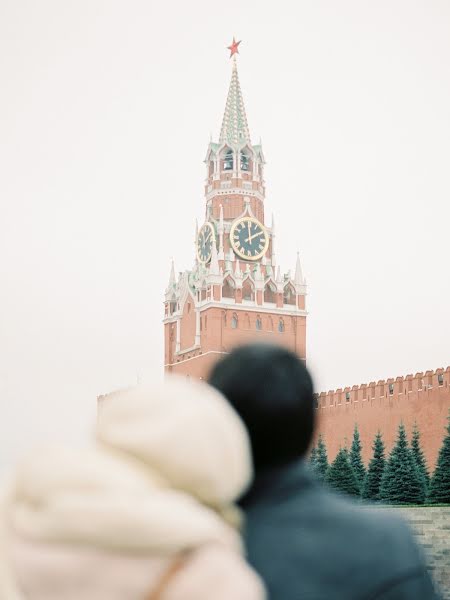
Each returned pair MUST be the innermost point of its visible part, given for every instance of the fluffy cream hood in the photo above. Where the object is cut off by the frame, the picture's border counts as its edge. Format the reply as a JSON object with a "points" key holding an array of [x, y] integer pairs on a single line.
{"points": [[161, 454], [186, 432]]}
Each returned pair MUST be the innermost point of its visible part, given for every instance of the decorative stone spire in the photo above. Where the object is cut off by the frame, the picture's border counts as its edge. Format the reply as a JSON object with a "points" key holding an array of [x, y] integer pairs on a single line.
{"points": [[214, 268], [298, 279], [172, 279], [279, 280], [195, 241], [234, 130], [258, 273], [259, 279], [237, 271], [273, 260], [220, 230]]}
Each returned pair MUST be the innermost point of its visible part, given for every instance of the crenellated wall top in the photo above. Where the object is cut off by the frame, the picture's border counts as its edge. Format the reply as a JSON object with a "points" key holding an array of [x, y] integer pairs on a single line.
{"points": [[391, 388]]}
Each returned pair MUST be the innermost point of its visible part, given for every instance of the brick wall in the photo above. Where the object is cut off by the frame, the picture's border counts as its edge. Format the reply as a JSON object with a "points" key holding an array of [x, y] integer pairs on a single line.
{"points": [[431, 527], [423, 398]]}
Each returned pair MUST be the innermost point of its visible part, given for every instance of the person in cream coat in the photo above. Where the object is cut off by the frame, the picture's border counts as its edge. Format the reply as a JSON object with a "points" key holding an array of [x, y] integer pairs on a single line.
{"points": [[145, 513]]}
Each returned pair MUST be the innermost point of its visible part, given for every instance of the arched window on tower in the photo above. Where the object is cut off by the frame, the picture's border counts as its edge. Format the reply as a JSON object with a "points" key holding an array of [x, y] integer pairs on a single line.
{"points": [[228, 289], [234, 321], [173, 304], [269, 292], [281, 326], [244, 160], [289, 295], [228, 160], [211, 168], [258, 323], [248, 290]]}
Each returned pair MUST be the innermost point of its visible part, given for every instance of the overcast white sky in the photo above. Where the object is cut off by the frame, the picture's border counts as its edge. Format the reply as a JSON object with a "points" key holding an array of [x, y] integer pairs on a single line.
{"points": [[105, 114]]}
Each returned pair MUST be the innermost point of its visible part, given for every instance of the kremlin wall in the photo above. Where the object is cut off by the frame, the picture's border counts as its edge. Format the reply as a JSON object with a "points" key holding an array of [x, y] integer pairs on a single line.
{"points": [[423, 398]]}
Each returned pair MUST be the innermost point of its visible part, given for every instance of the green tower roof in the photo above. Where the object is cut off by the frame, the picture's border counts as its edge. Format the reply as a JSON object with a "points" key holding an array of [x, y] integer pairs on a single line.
{"points": [[234, 125]]}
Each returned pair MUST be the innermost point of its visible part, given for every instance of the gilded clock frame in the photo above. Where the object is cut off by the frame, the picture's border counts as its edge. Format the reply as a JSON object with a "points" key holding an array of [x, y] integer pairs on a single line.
{"points": [[237, 251], [210, 226]]}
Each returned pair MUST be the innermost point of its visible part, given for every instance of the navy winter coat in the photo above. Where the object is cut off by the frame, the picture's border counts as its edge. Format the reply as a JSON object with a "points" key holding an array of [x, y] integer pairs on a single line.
{"points": [[309, 544]]}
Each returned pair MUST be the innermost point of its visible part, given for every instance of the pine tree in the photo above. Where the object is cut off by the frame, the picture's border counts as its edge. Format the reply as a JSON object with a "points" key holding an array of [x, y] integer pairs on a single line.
{"points": [[402, 482], [321, 464], [419, 456], [313, 458], [356, 458], [341, 476], [371, 488], [440, 482]]}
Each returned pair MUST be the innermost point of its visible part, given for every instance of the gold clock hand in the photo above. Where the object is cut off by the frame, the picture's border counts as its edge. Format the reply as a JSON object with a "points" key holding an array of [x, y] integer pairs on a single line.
{"points": [[252, 237]]}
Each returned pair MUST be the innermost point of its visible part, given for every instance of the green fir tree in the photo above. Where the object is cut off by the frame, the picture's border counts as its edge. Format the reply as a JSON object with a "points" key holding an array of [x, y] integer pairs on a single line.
{"points": [[356, 458], [321, 463], [372, 482], [439, 492], [402, 483], [419, 456], [313, 458], [341, 476]]}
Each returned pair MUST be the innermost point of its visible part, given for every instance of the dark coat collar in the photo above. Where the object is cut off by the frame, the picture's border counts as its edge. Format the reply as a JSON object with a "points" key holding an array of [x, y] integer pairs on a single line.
{"points": [[278, 481]]}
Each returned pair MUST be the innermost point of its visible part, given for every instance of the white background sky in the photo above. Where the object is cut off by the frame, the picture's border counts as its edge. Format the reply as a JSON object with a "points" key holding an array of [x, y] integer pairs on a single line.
{"points": [[105, 114]]}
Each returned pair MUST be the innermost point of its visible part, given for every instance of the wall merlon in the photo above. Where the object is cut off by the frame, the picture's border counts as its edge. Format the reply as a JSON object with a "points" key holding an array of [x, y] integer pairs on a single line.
{"points": [[418, 379]]}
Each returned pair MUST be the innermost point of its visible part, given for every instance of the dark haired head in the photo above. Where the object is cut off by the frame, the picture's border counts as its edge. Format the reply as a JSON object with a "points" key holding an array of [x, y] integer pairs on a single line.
{"points": [[272, 391]]}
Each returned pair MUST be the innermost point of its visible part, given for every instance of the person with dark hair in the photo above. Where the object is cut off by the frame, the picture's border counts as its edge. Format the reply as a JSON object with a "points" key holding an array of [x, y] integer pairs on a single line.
{"points": [[305, 541]]}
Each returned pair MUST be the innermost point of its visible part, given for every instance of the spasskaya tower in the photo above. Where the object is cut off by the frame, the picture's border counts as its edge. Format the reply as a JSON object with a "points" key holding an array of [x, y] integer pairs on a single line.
{"points": [[236, 292]]}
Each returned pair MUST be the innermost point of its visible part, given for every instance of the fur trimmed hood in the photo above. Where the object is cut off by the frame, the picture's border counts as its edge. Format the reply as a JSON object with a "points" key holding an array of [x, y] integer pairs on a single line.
{"points": [[167, 463], [186, 432]]}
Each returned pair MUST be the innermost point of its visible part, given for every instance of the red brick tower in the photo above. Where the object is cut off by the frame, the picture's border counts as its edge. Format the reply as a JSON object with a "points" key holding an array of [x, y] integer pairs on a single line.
{"points": [[235, 292]]}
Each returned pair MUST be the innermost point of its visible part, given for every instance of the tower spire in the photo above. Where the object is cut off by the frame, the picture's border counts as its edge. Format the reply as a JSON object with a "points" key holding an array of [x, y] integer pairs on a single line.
{"points": [[172, 279], [234, 130], [298, 278]]}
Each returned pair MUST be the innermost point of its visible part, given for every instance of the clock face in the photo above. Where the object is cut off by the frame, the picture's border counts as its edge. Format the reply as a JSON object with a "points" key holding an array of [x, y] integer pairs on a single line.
{"points": [[249, 238], [206, 238]]}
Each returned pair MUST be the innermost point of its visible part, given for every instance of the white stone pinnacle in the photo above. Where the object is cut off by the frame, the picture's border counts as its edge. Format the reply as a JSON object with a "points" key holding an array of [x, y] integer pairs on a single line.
{"points": [[298, 279], [214, 265], [172, 279], [278, 280]]}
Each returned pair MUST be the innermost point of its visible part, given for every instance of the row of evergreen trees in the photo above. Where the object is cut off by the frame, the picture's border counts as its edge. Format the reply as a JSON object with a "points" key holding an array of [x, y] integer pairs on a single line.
{"points": [[400, 478]]}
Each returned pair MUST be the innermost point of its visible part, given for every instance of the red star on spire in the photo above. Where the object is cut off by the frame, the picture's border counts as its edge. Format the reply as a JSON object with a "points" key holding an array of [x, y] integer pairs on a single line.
{"points": [[234, 47]]}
